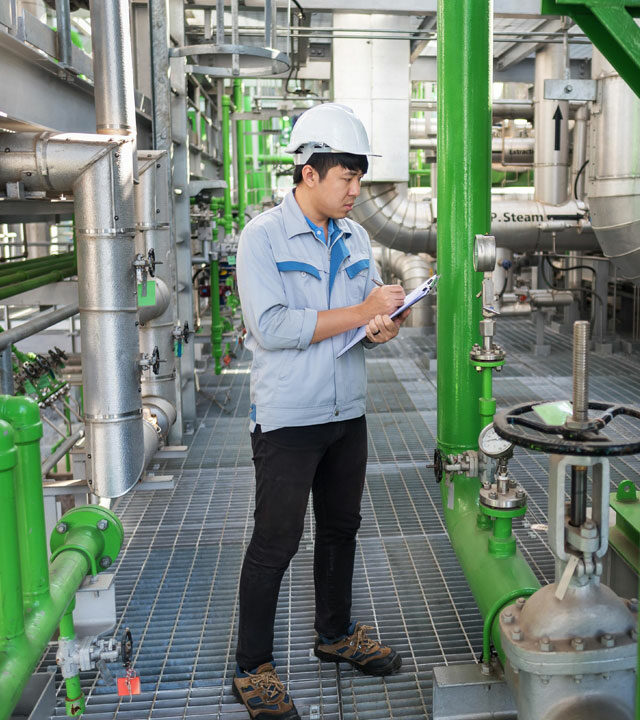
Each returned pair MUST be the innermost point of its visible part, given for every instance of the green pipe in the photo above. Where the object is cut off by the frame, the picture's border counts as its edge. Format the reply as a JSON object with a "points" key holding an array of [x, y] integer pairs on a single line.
{"points": [[216, 320], [489, 576], [20, 265], [74, 700], [11, 612], [51, 277], [464, 152], [16, 277], [240, 157], [226, 163], [24, 416], [493, 613], [275, 159], [76, 552]]}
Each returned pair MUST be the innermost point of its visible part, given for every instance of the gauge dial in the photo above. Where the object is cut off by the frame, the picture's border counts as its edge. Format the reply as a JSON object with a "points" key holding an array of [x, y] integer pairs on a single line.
{"points": [[493, 445]]}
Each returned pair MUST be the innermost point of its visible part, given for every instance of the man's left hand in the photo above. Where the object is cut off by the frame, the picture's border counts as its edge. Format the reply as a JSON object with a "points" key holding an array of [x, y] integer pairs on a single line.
{"points": [[382, 328]]}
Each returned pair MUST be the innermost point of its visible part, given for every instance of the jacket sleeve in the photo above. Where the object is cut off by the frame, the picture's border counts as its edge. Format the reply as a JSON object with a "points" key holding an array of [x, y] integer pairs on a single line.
{"points": [[371, 274], [265, 307]]}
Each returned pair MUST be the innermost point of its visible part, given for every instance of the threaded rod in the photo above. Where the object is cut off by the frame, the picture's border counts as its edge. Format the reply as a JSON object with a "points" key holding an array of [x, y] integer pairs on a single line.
{"points": [[581, 371]]}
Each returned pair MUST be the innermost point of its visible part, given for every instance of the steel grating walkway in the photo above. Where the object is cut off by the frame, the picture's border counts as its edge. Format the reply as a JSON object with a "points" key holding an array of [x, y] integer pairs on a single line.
{"points": [[177, 576]]}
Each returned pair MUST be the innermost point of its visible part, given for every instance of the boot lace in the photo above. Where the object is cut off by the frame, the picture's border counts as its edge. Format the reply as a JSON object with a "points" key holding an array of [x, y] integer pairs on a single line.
{"points": [[360, 640], [270, 683]]}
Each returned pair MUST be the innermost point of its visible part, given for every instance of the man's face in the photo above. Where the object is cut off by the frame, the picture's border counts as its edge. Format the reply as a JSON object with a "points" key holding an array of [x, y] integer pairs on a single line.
{"points": [[335, 195]]}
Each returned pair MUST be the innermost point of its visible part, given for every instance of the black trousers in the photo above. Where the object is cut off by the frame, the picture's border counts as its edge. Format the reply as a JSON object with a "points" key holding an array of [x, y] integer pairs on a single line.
{"points": [[330, 460]]}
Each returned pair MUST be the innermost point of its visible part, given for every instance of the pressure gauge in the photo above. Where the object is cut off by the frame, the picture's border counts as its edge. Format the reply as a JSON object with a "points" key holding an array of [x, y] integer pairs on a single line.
{"points": [[484, 253], [493, 445]]}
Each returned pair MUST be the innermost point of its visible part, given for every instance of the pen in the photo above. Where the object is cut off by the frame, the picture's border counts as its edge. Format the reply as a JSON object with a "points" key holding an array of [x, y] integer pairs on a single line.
{"points": [[377, 282]]}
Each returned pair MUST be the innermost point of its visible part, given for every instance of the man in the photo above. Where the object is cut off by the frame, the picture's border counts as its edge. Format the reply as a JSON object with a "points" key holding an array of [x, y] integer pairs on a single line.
{"points": [[307, 281]]}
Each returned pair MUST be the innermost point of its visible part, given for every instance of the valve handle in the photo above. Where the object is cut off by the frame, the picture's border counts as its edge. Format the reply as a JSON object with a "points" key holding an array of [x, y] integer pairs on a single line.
{"points": [[151, 255], [127, 648], [514, 425], [186, 333], [155, 360]]}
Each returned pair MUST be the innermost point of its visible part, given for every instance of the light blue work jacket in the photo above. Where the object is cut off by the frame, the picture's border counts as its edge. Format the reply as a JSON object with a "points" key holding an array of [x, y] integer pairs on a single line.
{"points": [[286, 274]]}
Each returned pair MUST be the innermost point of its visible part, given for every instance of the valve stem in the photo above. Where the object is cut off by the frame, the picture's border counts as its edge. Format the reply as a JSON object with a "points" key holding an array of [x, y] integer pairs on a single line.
{"points": [[581, 371]]}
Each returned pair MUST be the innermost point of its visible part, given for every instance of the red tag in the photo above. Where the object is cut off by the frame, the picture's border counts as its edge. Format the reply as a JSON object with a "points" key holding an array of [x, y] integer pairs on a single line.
{"points": [[129, 686]]}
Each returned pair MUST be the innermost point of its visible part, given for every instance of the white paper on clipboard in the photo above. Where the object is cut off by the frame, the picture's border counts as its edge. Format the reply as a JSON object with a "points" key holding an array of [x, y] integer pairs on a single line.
{"points": [[411, 299]]}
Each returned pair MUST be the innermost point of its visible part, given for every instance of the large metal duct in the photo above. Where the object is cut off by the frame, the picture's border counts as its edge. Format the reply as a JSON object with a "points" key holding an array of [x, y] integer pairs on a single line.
{"points": [[411, 270], [157, 321], [613, 173], [397, 220]]}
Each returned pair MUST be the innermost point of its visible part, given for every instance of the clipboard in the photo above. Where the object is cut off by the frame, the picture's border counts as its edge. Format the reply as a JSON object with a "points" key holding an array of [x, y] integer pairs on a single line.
{"points": [[411, 299]]}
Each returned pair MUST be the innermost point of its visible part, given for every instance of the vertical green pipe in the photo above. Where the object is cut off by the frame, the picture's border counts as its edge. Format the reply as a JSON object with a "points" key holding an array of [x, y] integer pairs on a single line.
{"points": [[464, 174], [240, 157], [24, 416], [74, 701], [226, 163], [67, 414], [216, 320], [487, 402], [11, 612], [464, 167]]}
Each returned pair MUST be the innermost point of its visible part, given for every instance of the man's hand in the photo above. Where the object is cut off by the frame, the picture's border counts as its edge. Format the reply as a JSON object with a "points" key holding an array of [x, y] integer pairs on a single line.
{"points": [[382, 328], [384, 300]]}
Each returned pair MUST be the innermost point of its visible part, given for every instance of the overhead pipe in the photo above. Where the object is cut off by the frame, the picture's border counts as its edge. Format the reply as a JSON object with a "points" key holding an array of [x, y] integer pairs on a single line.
{"points": [[39, 323], [403, 222], [502, 109], [505, 150], [464, 148]]}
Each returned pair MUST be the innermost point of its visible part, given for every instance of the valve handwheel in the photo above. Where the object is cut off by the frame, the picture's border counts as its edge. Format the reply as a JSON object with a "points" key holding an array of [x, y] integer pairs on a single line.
{"points": [[517, 426]]}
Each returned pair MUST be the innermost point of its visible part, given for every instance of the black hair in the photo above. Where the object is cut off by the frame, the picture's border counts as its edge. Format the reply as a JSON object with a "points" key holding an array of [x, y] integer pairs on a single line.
{"points": [[323, 162]]}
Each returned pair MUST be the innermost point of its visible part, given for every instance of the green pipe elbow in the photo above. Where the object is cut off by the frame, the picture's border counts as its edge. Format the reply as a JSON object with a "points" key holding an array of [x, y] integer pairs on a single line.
{"points": [[24, 415]]}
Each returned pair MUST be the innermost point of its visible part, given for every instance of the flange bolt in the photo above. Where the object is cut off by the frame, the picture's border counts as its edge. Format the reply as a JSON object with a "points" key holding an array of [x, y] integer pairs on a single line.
{"points": [[634, 634], [608, 640], [577, 644], [105, 562], [520, 602], [516, 634], [633, 604], [62, 528], [507, 616], [546, 645], [102, 524]]}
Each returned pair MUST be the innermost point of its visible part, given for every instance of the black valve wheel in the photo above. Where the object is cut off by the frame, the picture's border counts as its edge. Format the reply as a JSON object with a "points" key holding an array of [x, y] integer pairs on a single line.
{"points": [[127, 647], [155, 361], [438, 465], [520, 426], [151, 256], [186, 333]]}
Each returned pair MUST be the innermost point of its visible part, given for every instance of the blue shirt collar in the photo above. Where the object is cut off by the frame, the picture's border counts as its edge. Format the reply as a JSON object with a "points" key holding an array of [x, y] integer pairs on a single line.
{"points": [[295, 222], [334, 231]]}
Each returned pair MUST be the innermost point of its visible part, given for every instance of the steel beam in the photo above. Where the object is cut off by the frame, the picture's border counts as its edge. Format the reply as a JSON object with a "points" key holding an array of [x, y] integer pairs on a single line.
{"points": [[516, 52]]}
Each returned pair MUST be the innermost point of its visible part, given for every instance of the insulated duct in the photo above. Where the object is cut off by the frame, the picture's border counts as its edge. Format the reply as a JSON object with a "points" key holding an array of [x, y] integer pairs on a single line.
{"points": [[613, 172], [411, 270], [397, 220]]}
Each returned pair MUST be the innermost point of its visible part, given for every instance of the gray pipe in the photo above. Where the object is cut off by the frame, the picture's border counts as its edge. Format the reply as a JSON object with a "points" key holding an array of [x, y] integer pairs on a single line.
{"points": [[113, 67], [514, 151], [396, 220], [551, 175], [61, 451], [502, 109], [31, 327]]}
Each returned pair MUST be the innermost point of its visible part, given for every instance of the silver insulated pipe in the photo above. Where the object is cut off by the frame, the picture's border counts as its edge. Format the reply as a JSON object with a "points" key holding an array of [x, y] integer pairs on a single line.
{"points": [[105, 229], [613, 172]]}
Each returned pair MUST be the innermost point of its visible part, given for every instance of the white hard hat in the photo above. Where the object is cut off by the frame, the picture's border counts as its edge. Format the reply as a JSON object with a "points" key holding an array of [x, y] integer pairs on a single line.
{"points": [[325, 128]]}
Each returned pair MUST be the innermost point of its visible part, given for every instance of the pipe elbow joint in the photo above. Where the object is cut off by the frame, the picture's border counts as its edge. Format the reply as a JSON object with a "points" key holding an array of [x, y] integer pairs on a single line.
{"points": [[23, 414]]}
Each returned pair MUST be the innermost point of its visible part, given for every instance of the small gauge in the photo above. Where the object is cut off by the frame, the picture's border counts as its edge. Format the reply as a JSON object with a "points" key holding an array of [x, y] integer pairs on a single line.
{"points": [[493, 445]]}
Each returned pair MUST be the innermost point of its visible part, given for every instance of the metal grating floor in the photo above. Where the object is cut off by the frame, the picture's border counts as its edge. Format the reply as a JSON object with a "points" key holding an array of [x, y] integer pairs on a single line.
{"points": [[177, 577]]}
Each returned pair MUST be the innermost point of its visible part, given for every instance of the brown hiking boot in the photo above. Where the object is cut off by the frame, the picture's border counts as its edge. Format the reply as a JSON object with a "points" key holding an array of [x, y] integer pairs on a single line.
{"points": [[361, 651], [263, 694]]}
